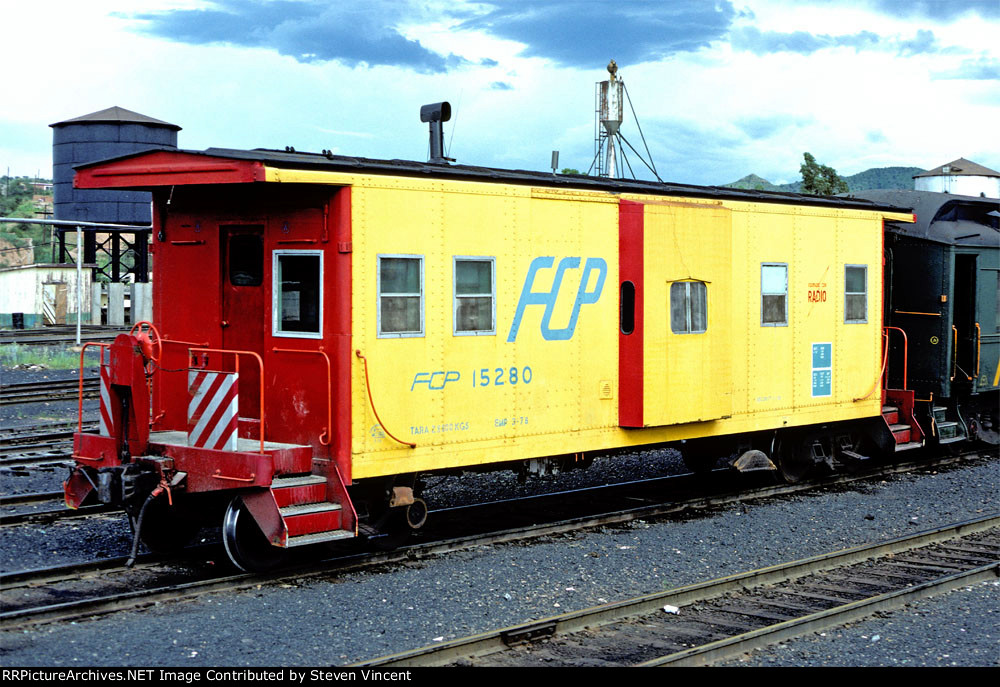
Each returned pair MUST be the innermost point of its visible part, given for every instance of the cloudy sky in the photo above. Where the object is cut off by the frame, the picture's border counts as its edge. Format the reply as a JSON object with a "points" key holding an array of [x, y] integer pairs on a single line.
{"points": [[721, 89]]}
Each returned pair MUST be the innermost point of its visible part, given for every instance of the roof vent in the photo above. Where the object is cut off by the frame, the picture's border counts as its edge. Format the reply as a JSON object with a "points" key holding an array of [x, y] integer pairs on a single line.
{"points": [[436, 114]]}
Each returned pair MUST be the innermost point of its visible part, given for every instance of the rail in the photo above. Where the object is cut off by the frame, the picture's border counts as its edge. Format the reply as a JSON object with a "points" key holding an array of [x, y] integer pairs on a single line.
{"points": [[881, 372], [328, 430], [368, 387], [906, 353], [79, 399], [979, 346], [236, 365]]}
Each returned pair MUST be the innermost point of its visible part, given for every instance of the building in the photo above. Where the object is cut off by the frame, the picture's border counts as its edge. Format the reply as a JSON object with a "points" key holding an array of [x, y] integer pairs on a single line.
{"points": [[960, 177]]}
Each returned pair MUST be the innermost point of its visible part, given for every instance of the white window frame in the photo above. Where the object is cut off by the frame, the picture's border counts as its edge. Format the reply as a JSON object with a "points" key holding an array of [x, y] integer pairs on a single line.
{"points": [[855, 293], [276, 330], [762, 294], [378, 302], [455, 295], [687, 311]]}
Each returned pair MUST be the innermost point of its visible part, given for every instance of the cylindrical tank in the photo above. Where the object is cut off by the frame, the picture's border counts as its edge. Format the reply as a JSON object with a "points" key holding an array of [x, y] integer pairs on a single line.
{"points": [[98, 136]]}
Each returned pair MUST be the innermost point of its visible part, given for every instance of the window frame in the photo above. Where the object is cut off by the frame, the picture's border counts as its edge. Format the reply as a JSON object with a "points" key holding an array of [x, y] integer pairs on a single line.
{"points": [[687, 310], [455, 259], [784, 323], [378, 296], [855, 293], [276, 292]]}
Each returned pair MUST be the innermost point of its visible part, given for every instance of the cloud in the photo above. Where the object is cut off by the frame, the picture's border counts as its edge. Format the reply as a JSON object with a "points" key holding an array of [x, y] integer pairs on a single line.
{"points": [[307, 30], [941, 10], [501, 86], [752, 39], [876, 137], [630, 31], [765, 127], [983, 69]]}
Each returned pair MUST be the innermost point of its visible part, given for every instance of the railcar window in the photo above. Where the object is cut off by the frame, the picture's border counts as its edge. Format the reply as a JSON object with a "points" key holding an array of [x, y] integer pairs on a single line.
{"points": [[400, 295], [855, 294], [773, 294], [475, 296], [298, 293], [627, 308], [246, 260], [688, 307]]}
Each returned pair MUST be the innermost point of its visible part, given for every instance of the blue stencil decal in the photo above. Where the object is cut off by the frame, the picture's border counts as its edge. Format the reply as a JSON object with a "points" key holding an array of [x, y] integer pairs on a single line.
{"points": [[822, 369]]}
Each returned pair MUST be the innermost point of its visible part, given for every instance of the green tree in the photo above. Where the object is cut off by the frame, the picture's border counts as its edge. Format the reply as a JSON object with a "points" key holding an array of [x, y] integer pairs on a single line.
{"points": [[820, 180], [569, 170]]}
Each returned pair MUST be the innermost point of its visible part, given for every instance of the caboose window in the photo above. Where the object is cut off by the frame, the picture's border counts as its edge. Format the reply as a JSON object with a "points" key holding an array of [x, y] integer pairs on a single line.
{"points": [[688, 307], [246, 260], [774, 294], [297, 293], [475, 296], [400, 295], [855, 294]]}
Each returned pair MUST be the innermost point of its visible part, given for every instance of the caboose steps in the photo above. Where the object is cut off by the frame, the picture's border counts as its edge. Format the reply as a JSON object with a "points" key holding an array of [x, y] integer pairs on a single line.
{"points": [[897, 413], [308, 516]]}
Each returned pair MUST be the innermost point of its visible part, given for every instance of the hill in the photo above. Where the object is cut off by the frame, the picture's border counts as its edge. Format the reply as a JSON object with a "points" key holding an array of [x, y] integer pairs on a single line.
{"points": [[877, 177]]}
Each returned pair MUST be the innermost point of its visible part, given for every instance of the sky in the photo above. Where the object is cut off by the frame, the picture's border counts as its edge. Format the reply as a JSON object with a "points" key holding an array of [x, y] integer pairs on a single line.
{"points": [[721, 88]]}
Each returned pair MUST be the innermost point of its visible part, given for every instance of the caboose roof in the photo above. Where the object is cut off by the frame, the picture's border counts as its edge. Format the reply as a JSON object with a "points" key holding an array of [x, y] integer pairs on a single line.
{"points": [[944, 217], [171, 167]]}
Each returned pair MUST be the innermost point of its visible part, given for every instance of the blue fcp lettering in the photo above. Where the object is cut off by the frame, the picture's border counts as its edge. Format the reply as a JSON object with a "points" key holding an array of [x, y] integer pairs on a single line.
{"points": [[548, 298], [429, 378]]}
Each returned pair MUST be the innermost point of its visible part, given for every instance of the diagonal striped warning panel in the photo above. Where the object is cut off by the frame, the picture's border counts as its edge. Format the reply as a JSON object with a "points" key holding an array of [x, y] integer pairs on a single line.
{"points": [[212, 421], [107, 422]]}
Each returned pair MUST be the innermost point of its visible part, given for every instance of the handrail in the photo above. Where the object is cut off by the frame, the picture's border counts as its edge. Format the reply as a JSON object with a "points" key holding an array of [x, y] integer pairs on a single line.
{"points": [[79, 398], [368, 386], [906, 352], [954, 352], [260, 363], [885, 359], [979, 345], [328, 430]]}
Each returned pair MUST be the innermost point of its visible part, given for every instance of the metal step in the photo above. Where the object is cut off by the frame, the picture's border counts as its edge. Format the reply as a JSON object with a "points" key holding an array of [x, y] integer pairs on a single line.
{"points": [[297, 481], [908, 446], [308, 508], [318, 538]]}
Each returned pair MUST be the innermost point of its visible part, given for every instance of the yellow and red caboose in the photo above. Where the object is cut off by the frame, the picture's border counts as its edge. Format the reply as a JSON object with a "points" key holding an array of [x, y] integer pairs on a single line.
{"points": [[328, 328]]}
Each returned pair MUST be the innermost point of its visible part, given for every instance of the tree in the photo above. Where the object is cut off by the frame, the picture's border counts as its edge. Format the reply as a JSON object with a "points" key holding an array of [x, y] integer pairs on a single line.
{"points": [[820, 180], [569, 170]]}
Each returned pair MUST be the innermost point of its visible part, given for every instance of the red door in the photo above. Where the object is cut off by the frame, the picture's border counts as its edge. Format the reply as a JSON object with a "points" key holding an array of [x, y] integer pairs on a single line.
{"points": [[244, 307]]}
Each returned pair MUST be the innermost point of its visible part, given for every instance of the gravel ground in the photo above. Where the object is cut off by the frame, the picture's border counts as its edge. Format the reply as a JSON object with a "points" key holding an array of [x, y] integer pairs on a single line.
{"points": [[362, 615]]}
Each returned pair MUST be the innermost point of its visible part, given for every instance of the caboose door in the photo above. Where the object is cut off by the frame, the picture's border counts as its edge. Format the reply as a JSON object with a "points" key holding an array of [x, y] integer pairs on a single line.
{"points": [[687, 310], [244, 309]]}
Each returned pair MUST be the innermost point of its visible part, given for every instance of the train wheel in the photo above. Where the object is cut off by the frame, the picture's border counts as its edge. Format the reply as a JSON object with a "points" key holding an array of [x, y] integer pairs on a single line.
{"points": [[794, 458], [246, 545], [167, 529]]}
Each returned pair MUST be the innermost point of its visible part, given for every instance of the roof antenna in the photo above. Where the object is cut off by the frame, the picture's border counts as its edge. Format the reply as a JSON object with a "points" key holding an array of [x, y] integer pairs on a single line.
{"points": [[436, 114]]}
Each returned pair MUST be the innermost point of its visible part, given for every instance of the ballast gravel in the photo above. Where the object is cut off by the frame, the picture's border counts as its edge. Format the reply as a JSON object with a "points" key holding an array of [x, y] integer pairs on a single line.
{"points": [[351, 617]]}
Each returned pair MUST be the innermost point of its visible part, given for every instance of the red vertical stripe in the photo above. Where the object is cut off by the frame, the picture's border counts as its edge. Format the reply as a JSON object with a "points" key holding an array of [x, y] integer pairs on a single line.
{"points": [[343, 352], [630, 357]]}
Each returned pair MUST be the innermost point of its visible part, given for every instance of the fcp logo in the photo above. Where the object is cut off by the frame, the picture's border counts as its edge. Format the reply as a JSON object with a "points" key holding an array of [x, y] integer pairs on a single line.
{"points": [[548, 298]]}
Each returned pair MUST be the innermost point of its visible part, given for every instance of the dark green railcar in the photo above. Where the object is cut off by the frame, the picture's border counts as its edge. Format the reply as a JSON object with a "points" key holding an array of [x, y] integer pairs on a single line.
{"points": [[942, 284]]}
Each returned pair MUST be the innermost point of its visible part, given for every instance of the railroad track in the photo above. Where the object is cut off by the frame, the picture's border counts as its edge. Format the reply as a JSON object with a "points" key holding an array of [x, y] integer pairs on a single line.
{"points": [[56, 336], [48, 391], [711, 621], [23, 449], [28, 596]]}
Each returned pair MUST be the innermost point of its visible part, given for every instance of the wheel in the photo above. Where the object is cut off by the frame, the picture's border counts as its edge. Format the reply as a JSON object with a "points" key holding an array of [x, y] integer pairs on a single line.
{"points": [[246, 545], [167, 529], [794, 458]]}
